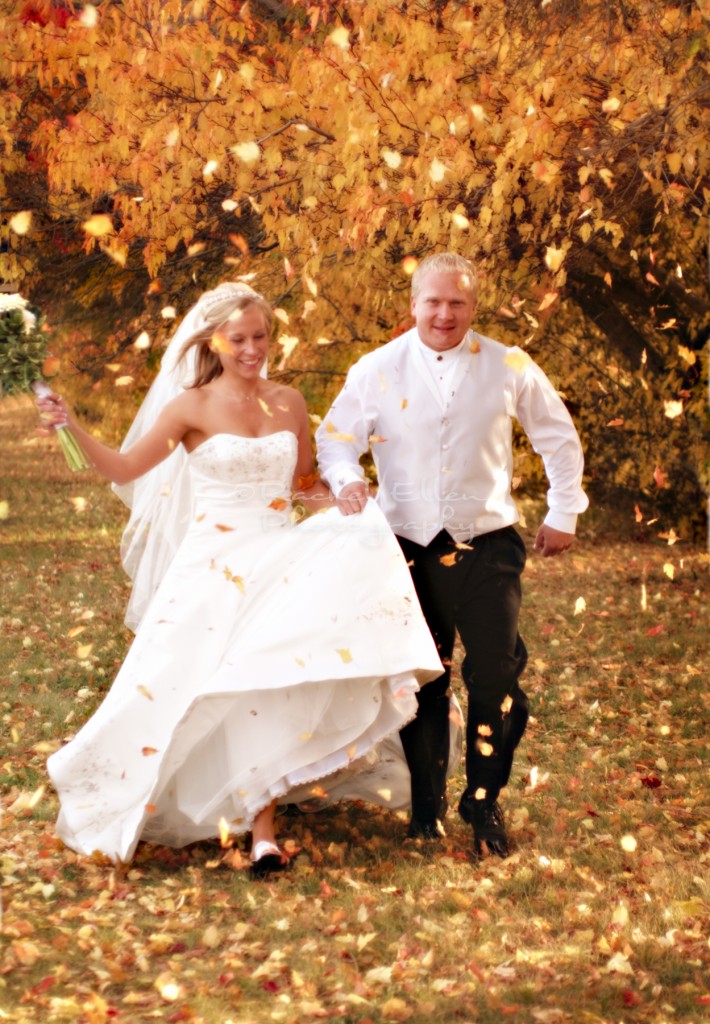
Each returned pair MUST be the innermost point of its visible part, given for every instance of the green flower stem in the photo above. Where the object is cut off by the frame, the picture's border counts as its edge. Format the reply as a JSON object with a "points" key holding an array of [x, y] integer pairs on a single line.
{"points": [[76, 460]]}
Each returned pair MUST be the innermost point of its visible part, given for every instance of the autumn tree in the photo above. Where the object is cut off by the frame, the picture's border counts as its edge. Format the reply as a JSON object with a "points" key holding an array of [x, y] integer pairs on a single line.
{"points": [[152, 148]]}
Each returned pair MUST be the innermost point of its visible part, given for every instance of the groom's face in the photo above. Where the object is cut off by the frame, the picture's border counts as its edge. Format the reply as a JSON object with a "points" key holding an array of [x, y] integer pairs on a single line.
{"points": [[443, 308]]}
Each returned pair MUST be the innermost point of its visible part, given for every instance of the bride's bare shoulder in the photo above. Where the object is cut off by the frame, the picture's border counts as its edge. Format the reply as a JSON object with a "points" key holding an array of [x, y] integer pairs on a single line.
{"points": [[285, 394]]}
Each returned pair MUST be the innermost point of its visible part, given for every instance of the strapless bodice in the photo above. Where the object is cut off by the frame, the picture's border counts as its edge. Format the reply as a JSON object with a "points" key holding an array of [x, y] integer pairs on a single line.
{"points": [[250, 471]]}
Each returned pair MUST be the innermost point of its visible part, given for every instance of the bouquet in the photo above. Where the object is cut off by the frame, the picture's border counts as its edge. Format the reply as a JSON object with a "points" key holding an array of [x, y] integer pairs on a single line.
{"points": [[23, 361]]}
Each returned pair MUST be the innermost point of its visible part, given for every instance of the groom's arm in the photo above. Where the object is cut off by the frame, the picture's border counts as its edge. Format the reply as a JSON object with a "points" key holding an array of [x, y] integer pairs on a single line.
{"points": [[342, 438]]}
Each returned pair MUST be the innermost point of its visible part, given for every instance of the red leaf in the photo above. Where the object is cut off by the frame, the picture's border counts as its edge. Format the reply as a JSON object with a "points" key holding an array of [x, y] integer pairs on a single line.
{"points": [[651, 781], [655, 630]]}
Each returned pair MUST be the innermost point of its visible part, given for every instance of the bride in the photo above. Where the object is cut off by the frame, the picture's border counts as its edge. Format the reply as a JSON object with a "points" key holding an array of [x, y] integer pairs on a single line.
{"points": [[268, 656]]}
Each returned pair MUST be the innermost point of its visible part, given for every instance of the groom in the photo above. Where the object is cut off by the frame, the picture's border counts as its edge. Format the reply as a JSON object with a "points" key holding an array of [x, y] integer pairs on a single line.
{"points": [[437, 405]]}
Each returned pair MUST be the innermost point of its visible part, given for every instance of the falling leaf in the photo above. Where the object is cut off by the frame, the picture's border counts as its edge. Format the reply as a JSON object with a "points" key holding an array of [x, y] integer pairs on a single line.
{"points": [[209, 168], [409, 265], [21, 222], [98, 225], [616, 423], [247, 152], [123, 382], [222, 528], [288, 343], [148, 751], [340, 37], [144, 691], [659, 477], [655, 630], [376, 439], [345, 654], [89, 16], [474, 346], [437, 171], [580, 606], [669, 570], [611, 105], [673, 409], [517, 360], [84, 651], [238, 582], [628, 843], [391, 158], [554, 257], [335, 435], [448, 560], [547, 301]]}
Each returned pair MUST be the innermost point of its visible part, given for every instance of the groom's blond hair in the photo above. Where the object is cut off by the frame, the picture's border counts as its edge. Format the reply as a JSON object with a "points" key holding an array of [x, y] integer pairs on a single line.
{"points": [[446, 263]]}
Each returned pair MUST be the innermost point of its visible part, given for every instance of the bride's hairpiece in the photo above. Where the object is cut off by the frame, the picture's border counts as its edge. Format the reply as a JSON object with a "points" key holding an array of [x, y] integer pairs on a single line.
{"points": [[228, 291]]}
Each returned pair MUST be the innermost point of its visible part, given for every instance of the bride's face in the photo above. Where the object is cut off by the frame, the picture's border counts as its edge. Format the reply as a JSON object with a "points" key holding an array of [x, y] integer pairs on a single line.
{"points": [[242, 343]]}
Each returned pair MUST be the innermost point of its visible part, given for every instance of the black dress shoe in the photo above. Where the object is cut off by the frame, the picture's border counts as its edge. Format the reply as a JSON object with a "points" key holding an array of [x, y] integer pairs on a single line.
{"points": [[425, 830], [488, 826]]}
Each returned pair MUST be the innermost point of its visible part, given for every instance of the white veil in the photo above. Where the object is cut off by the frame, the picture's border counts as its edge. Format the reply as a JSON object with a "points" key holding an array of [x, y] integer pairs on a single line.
{"points": [[160, 501]]}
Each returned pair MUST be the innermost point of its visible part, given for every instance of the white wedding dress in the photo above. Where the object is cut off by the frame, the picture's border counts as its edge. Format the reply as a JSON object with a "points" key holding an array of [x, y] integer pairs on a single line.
{"points": [[274, 661]]}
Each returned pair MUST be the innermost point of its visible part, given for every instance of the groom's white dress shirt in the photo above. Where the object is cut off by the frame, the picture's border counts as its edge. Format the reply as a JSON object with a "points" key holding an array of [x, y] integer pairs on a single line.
{"points": [[440, 430]]}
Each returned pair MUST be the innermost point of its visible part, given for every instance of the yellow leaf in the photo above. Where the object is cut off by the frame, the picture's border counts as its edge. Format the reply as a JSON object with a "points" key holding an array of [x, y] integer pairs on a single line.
{"points": [[98, 225], [611, 105], [89, 17], [142, 341], [84, 651], [340, 37], [669, 570], [264, 407], [392, 158], [238, 582], [448, 560], [21, 222], [123, 382], [628, 843], [409, 265], [4, 509], [345, 654], [209, 168], [247, 152], [673, 409], [674, 161], [547, 301], [437, 171], [288, 343], [517, 360], [145, 692], [554, 257], [580, 606]]}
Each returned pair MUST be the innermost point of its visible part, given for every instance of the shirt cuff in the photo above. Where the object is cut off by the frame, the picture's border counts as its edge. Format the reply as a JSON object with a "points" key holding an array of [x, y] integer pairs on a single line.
{"points": [[566, 522], [340, 476]]}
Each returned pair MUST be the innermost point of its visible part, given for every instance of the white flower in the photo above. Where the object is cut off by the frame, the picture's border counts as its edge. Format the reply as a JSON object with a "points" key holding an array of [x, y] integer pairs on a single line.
{"points": [[10, 302], [30, 321]]}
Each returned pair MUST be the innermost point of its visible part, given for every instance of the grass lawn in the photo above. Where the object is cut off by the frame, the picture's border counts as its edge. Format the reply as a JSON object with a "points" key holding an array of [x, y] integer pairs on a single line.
{"points": [[600, 915]]}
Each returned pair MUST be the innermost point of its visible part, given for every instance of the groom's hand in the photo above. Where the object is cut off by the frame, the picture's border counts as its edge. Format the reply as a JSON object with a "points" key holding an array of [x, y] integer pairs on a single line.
{"points": [[352, 499], [550, 542]]}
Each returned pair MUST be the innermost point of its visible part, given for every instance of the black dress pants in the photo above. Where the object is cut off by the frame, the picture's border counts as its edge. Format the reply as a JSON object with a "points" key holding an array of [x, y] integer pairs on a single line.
{"points": [[475, 590]]}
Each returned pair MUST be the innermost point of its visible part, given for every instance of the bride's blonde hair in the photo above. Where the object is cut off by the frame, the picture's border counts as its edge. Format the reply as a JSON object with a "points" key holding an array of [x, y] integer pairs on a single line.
{"points": [[217, 308]]}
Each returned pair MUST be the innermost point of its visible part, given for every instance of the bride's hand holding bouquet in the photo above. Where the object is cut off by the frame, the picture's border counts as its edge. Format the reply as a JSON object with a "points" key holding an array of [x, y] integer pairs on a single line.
{"points": [[24, 361]]}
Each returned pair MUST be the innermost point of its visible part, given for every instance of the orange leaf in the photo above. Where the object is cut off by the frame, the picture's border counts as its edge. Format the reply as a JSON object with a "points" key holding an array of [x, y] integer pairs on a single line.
{"points": [[147, 751]]}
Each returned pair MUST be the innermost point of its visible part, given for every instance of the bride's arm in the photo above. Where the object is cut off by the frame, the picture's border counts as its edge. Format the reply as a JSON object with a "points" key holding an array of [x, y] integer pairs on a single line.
{"points": [[123, 467], [308, 489]]}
